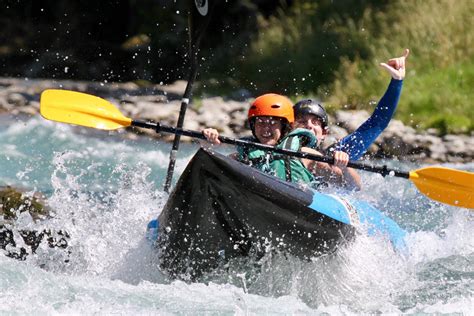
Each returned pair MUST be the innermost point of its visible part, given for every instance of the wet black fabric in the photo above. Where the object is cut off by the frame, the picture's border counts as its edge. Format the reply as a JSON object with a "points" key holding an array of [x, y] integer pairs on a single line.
{"points": [[221, 208]]}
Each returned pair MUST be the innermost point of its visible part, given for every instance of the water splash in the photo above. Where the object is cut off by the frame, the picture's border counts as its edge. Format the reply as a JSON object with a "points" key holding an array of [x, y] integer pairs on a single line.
{"points": [[103, 224], [103, 193]]}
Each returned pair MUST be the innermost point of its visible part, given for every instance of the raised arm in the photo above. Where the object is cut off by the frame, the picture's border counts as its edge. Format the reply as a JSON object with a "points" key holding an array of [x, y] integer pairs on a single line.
{"points": [[357, 143]]}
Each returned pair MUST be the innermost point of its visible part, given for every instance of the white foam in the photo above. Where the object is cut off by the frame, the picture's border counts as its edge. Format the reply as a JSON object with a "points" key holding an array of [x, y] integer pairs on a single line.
{"points": [[104, 193]]}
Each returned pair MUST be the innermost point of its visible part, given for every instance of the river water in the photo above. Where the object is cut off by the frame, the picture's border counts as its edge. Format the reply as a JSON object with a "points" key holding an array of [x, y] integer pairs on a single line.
{"points": [[104, 189]]}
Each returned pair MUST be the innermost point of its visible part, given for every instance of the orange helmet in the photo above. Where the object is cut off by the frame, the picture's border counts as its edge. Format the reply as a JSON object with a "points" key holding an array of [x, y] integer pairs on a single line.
{"points": [[272, 104]]}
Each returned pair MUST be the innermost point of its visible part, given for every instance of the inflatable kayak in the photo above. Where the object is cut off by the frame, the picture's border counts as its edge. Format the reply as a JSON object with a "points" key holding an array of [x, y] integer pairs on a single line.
{"points": [[221, 209]]}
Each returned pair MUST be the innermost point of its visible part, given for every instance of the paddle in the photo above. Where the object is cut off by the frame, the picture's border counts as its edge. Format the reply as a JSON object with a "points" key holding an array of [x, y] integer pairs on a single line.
{"points": [[195, 36], [450, 186]]}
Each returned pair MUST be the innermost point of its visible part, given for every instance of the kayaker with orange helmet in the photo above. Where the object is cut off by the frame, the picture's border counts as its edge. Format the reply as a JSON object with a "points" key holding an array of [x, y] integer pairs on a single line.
{"points": [[270, 118]]}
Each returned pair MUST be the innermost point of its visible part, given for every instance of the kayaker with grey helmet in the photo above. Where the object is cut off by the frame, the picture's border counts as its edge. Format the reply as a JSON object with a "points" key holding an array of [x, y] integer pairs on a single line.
{"points": [[313, 125], [310, 106], [311, 115]]}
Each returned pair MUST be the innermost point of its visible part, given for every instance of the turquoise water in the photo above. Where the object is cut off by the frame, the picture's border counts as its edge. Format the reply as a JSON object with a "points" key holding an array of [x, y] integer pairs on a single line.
{"points": [[103, 189]]}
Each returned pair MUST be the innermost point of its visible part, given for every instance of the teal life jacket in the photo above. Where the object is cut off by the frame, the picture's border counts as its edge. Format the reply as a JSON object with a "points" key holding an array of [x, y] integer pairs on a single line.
{"points": [[257, 158], [282, 166], [291, 168]]}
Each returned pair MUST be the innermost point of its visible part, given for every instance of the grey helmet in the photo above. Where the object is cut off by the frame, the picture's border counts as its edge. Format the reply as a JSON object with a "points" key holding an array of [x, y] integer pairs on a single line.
{"points": [[309, 106]]}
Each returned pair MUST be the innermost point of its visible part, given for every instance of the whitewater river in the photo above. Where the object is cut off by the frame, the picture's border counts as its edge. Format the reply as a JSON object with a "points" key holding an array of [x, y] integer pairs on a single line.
{"points": [[103, 190]]}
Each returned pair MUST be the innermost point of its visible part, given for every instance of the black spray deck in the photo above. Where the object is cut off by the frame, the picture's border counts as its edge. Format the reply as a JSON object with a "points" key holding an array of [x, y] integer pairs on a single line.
{"points": [[221, 209]]}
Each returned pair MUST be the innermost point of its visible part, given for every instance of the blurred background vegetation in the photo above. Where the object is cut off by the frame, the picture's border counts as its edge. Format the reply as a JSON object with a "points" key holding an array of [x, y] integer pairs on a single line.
{"points": [[325, 49]]}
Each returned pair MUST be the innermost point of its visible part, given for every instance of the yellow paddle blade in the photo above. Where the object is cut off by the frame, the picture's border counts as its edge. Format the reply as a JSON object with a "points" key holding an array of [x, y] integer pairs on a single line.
{"points": [[450, 186], [81, 109]]}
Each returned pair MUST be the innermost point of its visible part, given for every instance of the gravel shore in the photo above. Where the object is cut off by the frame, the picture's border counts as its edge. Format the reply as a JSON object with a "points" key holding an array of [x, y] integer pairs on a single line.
{"points": [[228, 115]]}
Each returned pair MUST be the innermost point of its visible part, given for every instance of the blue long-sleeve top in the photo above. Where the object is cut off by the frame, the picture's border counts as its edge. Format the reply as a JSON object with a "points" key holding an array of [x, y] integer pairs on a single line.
{"points": [[357, 143]]}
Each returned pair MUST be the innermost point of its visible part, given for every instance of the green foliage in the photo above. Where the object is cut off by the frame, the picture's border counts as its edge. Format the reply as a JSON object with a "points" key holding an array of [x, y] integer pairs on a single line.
{"points": [[333, 51], [300, 48], [325, 49], [441, 99]]}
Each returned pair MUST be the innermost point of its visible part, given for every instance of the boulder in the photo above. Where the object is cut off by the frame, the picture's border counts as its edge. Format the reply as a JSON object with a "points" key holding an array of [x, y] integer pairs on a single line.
{"points": [[17, 242]]}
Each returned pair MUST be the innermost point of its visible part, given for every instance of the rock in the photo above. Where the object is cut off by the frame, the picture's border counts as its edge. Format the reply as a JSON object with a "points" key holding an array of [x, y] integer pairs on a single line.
{"points": [[337, 132], [16, 99], [13, 202], [455, 145], [13, 205], [433, 131], [177, 88], [163, 112], [192, 125], [351, 120]]}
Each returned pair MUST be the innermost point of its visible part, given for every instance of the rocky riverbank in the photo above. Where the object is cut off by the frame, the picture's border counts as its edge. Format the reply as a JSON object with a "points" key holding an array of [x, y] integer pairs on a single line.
{"points": [[162, 103]]}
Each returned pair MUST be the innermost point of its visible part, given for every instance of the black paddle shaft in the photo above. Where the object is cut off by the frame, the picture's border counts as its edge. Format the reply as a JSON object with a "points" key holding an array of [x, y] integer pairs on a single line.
{"points": [[194, 40], [383, 170]]}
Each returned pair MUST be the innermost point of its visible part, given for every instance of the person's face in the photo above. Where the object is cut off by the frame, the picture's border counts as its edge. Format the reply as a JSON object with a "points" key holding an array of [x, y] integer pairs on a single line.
{"points": [[268, 130], [312, 123]]}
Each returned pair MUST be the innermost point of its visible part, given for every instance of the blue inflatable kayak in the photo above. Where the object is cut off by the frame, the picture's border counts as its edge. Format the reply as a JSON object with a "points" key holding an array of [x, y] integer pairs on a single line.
{"points": [[221, 209]]}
